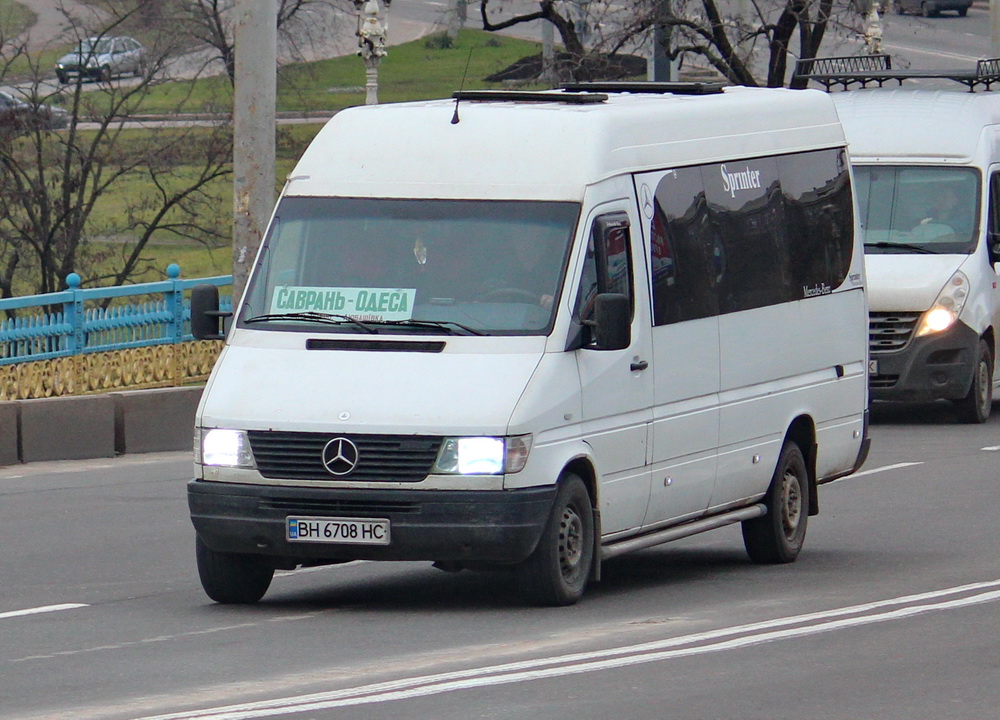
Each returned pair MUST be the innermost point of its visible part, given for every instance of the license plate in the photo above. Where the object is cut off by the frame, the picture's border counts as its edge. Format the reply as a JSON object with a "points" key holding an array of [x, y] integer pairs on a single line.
{"points": [[873, 367], [343, 531]]}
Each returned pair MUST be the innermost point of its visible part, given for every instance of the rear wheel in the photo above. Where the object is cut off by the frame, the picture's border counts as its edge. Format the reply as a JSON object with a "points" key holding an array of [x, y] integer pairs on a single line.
{"points": [[556, 572], [232, 578], [777, 537], [962, 12], [976, 406]]}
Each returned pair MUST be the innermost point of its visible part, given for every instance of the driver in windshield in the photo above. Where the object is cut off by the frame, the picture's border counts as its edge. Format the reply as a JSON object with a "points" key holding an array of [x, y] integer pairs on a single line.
{"points": [[527, 271]]}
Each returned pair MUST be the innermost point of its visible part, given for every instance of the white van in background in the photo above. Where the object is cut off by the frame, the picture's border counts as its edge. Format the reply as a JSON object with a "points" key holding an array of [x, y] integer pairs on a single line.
{"points": [[536, 331], [927, 173]]}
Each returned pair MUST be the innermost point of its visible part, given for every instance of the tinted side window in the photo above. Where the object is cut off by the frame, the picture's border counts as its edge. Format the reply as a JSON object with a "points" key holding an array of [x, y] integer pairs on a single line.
{"points": [[686, 250], [745, 234], [818, 209], [744, 199]]}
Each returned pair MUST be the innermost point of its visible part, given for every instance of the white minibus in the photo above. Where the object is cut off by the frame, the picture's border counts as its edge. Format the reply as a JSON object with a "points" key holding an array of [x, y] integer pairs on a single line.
{"points": [[927, 173], [536, 330]]}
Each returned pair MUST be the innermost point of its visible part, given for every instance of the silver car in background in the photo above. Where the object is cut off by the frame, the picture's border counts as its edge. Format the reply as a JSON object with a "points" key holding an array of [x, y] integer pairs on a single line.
{"points": [[102, 59]]}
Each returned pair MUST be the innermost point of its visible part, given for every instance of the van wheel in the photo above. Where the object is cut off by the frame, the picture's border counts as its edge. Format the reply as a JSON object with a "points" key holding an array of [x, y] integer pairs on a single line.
{"points": [[898, 6], [962, 12], [556, 572], [232, 578], [777, 537], [976, 406]]}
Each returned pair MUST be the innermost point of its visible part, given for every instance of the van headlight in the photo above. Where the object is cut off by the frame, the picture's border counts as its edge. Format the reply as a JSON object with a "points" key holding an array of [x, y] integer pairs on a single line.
{"points": [[482, 455], [225, 448], [947, 307]]}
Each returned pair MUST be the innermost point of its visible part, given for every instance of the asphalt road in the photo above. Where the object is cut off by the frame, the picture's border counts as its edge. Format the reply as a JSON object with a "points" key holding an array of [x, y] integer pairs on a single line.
{"points": [[890, 612]]}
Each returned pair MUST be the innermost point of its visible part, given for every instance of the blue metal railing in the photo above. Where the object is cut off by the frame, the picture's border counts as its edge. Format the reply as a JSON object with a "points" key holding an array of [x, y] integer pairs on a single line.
{"points": [[73, 322]]}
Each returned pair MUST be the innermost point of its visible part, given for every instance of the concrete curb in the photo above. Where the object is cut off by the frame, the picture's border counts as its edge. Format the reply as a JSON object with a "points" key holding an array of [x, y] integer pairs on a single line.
{"points": [[95, 426]]}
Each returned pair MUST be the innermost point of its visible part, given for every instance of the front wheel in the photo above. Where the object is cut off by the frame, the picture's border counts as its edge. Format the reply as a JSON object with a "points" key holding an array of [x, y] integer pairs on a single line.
{"points": [[976, 406], [777, 537], [556, 572], [232, 578]]}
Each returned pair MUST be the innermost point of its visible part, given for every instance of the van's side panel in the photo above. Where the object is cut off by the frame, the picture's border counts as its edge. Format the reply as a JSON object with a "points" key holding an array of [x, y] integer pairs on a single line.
{"points": [[822, 376]]}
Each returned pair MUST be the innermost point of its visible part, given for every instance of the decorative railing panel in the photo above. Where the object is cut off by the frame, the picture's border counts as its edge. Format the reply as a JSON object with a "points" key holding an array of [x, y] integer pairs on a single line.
{"points": [[83, 341]]}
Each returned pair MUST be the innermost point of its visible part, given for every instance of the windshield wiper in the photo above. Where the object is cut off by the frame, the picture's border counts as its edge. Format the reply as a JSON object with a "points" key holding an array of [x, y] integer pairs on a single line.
{"points": [[447, 325], [902, 246], [328, 318]]}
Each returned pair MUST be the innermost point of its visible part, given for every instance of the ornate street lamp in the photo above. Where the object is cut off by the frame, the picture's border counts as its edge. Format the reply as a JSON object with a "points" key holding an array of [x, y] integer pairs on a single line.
{"points": [[371, 43]]}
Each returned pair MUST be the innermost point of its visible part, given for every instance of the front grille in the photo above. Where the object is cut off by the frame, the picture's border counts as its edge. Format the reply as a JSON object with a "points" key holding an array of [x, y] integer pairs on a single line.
{"points": [[350, 508], [888, 331], [381, 458], [883, 382]]}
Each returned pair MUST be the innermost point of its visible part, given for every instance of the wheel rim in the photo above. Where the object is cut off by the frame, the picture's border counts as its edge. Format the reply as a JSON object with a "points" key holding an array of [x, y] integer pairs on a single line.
{"points": [[791, 504], [571, 541], [984, 387]]}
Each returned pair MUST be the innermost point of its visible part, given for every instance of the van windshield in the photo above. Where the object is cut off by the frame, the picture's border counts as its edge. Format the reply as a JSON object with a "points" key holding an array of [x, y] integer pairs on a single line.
{"points": [[411, 266], [909, 209]]}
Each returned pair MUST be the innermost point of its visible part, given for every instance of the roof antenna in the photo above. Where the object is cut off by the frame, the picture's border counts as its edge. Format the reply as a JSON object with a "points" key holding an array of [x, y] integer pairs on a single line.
{"points": [[458, 95]]}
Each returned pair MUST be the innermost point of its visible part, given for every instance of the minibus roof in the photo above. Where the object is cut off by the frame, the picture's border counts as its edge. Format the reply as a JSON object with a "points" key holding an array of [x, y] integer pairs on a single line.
{"points": [[912, 125], [551, 150]]}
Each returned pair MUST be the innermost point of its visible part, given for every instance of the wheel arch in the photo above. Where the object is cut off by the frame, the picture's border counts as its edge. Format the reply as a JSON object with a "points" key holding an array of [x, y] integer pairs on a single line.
{"points": [[802, 431]]}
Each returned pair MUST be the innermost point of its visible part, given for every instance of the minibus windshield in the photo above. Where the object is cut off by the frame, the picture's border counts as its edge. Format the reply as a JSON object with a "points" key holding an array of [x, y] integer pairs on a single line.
{"points": [[918, 209], [466, 267]]}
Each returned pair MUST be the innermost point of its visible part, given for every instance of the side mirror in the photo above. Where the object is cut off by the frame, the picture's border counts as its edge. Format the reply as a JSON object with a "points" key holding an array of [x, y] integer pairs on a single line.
{"points": [[993, 247], [612, 321], [205, 314]]}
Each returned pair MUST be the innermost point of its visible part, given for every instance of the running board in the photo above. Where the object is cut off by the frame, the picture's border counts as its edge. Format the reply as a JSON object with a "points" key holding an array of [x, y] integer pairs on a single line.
{"points": [[681, 531]]}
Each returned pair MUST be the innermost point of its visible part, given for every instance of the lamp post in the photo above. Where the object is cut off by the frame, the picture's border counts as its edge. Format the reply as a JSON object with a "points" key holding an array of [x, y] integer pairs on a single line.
{"points": [[371, 43]]}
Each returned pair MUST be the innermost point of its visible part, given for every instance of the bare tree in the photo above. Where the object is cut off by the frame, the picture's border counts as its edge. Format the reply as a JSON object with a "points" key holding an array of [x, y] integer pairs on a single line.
{"points": [[735, 39], [59, 169], [211, 24]]}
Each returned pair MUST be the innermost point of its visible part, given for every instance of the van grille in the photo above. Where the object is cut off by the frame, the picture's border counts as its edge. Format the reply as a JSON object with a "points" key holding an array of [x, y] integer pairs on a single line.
{"points": [[889, 331], [381, 458]]}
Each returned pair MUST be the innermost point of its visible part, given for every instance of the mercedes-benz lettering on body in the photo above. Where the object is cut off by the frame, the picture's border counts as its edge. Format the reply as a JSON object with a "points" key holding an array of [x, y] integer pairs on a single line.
{"points": [[459, 346]]}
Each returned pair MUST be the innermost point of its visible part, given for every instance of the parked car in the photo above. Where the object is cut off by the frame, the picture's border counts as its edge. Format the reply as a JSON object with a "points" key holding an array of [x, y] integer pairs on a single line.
{"points": [[102, 59], [17, 115], [931, 8]]}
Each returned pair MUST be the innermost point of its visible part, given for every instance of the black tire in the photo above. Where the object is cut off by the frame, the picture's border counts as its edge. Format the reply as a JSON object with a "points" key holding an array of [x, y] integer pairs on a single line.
{"points": [[777, 537], [231, 578], [975, 407], [962, 12], [105, 75], [900, 10], [556, 573]]}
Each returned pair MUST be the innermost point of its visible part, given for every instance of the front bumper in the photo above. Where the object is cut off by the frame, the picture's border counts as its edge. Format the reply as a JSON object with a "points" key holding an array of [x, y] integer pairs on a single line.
{"points": [[501, 526], [933, 367]]}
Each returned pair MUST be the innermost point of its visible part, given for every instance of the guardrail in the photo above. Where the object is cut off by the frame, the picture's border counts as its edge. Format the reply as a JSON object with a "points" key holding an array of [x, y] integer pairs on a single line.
{"points": [[79, 321]]}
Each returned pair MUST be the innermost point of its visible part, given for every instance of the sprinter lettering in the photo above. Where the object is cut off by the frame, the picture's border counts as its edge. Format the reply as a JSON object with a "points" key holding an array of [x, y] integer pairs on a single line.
{"points": [[742, 180]]}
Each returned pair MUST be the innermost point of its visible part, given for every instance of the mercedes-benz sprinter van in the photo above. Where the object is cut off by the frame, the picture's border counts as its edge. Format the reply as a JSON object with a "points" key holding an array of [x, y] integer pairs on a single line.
{"points": [[537, 330]]}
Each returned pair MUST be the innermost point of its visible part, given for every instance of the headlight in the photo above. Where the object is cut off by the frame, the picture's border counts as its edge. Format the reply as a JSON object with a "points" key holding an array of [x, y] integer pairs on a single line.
{"points": [[482, 455], [226, 448], [947, 307]]}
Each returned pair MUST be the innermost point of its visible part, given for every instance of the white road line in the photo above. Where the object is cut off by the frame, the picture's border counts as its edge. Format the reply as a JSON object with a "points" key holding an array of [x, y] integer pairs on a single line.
{"points": [[884, 468], [40, 610], [561, 666]]}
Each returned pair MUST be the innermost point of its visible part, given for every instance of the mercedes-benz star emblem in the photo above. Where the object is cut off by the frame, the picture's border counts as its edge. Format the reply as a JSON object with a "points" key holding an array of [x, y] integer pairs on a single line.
{"points": [[340, 456]]}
